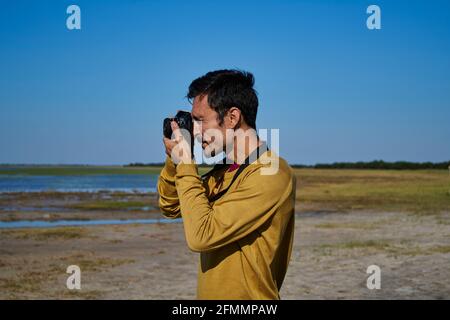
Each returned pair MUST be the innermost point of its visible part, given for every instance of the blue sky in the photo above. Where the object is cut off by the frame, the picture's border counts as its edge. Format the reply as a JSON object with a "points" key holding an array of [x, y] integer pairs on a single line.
{"points": [[336, 90]]}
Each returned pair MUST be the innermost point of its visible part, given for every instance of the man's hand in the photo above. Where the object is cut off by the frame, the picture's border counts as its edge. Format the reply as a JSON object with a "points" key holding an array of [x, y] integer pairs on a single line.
{"points": [[178, 148], [168, 143]]}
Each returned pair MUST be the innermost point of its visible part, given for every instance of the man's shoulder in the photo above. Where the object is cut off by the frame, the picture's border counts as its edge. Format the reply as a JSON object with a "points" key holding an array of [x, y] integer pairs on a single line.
{"points": [[272, 169]]}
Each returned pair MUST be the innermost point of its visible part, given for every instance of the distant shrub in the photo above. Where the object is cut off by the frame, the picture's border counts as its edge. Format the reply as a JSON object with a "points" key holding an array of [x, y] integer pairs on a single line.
{"points": [[378, 164]]}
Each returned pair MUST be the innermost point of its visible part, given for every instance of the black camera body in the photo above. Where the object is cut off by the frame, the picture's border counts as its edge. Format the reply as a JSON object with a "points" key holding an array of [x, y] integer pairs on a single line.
{"points": [[184, 121]]}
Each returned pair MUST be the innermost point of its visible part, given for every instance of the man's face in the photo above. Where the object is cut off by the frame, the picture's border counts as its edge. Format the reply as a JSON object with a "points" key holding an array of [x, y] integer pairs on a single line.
{"points": [[207, 128]]}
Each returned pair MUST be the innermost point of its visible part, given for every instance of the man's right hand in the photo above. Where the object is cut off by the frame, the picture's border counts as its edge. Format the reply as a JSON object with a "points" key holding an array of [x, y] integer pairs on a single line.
{"points": [[182, 152], [168, 143]]}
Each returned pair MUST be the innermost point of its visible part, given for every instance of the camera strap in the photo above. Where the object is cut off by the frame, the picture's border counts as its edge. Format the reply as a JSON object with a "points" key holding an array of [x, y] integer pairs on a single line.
{"points": [[254, 155]]}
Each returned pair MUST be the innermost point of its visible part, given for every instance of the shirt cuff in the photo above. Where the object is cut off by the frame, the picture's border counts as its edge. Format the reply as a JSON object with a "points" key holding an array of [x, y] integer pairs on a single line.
{"points": [[170, 166], [184, 169]]}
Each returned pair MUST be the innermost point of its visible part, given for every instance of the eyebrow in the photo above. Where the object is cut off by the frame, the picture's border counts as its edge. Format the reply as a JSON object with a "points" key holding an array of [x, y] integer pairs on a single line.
{"points": [[196, 118]]}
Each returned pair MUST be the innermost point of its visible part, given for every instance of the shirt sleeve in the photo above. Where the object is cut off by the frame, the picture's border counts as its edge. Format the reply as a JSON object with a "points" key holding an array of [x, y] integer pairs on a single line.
{"points": [[239, 212], [168, 197]]}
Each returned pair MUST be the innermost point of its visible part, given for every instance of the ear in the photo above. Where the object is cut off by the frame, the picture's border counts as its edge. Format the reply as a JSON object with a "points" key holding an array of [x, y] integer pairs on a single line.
{"points": [[234, 118]]}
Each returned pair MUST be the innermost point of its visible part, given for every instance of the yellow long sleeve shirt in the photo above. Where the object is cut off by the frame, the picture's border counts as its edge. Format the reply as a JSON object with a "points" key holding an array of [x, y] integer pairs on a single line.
{"points": [[244, 237]]}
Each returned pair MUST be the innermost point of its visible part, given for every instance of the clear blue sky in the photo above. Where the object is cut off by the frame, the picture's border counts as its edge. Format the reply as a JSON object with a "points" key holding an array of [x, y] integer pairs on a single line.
{"points": [[336, 90]]}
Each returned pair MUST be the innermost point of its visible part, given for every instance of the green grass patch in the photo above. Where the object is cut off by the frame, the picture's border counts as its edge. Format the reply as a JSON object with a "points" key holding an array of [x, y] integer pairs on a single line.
{"points": [[390, 247], [348, 225], [109, 205], [441, 249], [97, 264], [419, 191], [368, 244], [63, 233]]}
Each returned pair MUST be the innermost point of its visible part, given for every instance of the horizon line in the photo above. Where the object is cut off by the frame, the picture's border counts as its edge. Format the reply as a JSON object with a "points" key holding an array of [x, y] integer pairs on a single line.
{"points": [[162, 163]]}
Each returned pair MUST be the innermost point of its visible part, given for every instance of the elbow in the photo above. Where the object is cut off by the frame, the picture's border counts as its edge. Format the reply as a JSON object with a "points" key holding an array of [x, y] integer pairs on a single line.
{"points": [[197, 245], [169, 210], [168, 202]]}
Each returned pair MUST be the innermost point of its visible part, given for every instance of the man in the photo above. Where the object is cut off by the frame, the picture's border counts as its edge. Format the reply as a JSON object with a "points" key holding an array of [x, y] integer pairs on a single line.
{"points": [[242, 227]]}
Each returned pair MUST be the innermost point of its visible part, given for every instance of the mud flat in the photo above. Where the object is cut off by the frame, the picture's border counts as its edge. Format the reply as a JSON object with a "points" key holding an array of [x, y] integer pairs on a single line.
{"points": [[331, 254]]}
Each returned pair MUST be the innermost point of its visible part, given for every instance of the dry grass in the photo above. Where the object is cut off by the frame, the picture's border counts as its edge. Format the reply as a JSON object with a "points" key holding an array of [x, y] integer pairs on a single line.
{"points": [[32, 282], [386, 246], [62, 233], [350, 225]]}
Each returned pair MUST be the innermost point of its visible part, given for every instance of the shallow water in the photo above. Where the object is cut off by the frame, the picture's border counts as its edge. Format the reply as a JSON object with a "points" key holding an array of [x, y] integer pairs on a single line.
{"points": [[66, 223], [79, 183]]}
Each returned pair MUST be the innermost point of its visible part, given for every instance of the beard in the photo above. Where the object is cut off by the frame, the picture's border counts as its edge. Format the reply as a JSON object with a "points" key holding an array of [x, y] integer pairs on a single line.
{"points": [[210, 150]]}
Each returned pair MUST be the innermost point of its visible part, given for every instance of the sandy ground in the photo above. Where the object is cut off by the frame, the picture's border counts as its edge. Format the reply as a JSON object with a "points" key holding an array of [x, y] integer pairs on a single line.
{"points": [[331, 254]]}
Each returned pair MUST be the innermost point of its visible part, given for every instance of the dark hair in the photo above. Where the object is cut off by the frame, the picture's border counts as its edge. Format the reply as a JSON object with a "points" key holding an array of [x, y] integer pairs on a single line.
{"points": [[226, 89]]}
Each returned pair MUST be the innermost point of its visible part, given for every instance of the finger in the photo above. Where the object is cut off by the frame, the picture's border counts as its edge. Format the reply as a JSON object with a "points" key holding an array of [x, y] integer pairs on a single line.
{"points": [[169, 143], [167, 140], [176, 131], [174, 125]]}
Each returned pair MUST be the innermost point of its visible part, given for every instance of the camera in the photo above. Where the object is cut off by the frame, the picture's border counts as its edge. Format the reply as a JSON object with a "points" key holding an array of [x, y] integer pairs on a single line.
{"points": [[184, 121]]}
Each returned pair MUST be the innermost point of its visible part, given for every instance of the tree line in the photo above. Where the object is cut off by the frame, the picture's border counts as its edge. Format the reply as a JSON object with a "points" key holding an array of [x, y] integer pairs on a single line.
{"points": [[376, 164]]}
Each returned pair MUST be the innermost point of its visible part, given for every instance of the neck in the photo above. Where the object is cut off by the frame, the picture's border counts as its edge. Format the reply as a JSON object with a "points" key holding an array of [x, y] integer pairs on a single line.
{"points": [[243, 145]]}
